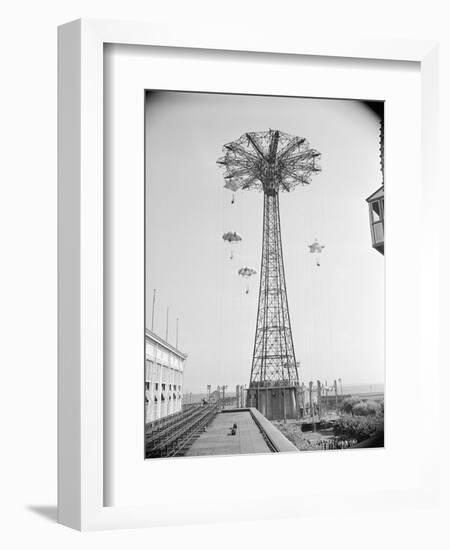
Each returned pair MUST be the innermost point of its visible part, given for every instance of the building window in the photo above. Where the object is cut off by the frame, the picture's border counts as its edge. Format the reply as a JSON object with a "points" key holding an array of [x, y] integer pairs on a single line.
{"points": [[377, 210], [148, 370]]}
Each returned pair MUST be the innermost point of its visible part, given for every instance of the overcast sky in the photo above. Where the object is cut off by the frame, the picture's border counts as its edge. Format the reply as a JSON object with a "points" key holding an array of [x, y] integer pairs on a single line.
{"points": [[337, 309]]}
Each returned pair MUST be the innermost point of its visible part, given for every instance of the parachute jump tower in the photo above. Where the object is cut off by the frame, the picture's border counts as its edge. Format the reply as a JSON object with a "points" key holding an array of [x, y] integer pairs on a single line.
{"points": [[271, 162]]}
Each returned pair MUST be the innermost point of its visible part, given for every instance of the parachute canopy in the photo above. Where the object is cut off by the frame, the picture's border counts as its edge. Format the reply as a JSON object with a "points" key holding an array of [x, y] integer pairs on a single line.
{"points": [[246, 271], [316, 247], [231, 237], [232, 185]]}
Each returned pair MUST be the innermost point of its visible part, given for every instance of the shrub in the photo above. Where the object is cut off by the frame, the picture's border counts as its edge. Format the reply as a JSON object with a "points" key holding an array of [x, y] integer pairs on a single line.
{"points": [[366, 408], [348, 404], [373, 407], [359, 427], [360, 407]]}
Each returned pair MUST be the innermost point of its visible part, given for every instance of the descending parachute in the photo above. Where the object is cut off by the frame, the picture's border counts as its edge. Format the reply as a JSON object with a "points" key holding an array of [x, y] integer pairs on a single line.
{"points": [[316, 248], [232, 237], [233, 186], [246, 272]]}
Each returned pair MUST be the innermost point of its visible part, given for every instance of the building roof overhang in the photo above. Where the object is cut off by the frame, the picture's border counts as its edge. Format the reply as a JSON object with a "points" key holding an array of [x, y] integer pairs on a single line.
{"points": [[149, 335], [379, 194]]}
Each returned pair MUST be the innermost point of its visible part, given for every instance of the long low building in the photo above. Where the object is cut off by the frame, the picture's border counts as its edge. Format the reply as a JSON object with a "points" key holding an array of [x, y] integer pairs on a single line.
{"points": [[164, 367]]}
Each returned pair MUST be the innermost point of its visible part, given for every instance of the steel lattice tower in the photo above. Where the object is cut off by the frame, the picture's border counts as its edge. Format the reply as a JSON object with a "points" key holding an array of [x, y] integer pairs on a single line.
{"points": [[271, 162], [273, 353]]}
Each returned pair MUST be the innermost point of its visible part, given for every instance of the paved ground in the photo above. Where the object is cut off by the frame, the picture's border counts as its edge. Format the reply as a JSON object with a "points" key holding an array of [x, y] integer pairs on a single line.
{"points": [[216, 441]]}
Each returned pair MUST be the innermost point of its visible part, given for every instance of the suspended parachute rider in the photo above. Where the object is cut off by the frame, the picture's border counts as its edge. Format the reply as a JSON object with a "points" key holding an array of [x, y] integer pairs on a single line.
{"points": [[231, 237], [316, 248], [247, 272]]}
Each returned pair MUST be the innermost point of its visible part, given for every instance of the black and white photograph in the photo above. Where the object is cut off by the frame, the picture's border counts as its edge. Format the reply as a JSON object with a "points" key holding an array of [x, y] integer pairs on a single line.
{"points": [[264, 274], [206, 340]]}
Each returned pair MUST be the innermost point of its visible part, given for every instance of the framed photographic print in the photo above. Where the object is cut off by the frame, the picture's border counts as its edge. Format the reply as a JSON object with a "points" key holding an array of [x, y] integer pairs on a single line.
{"points": [[214, 376], [243, 291]]}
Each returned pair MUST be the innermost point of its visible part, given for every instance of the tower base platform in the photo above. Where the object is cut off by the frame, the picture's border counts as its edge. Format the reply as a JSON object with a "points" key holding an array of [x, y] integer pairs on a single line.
{"points": [[275, 403]]}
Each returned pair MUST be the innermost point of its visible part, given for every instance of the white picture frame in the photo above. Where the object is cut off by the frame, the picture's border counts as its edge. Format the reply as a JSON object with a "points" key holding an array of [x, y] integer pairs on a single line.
{"points": [[82, 483]]}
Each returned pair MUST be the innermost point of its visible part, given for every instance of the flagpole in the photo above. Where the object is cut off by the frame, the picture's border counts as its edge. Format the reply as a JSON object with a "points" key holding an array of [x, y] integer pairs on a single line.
{"points": [[167, 323], [153, 307]]}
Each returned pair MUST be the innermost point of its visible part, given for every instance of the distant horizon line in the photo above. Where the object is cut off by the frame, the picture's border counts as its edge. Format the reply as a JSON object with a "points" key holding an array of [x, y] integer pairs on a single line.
{"points": [[232, 388]]}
